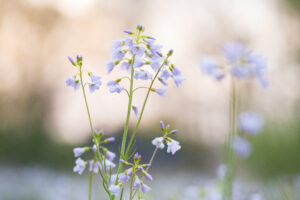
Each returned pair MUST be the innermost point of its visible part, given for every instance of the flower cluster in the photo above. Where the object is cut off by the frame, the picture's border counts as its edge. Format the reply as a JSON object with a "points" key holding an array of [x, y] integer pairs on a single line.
{"points": [[76, 80], [141, 57], [172, 144], [243, 64], [249, 123], [134, 174], [105, 163]]}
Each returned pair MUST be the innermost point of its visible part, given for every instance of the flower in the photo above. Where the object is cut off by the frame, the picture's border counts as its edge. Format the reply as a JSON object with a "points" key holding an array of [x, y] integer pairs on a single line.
{"points": [[73, 82], [126, 66], [250, 122], [114, 86], [137, 182], [138, 62], [173, 146], [161, 92], [178, 79], [241, 147], [109, 66], [129, 42], [143, 75], [135, 110], [110, 155], [158, 142], [114, 189], [96, 83], [221, 171], [94, 166], [235, 52], [209, 66], [123, 177], [109, 164], [156, 62], [118, 54], [148, 176], [165, 74], [80, 166], [79, 151], [145, 188], [110, 139], [116, 44], [138, 50]]}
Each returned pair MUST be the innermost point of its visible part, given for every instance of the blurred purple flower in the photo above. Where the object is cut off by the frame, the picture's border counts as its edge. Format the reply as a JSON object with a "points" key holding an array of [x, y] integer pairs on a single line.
{"points": [[73, 82], [161, 91], [109, 66], [173, 146], [80, 166], [250, 122], [209, 66], [241, 146], [114, 86], [158, 142]]}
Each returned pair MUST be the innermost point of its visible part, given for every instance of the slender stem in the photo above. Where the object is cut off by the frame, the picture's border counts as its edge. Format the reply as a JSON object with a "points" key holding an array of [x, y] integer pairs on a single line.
{"points": [[230, 157], [91, 182], [93, 133], [142, 111], [131, 184]]}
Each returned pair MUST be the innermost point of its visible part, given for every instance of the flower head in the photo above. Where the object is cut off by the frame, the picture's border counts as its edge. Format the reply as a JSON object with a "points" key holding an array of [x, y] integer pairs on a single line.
{"points": [[110, 155], [78, 151], [209, 66], [94, 166], [158, 142], [73, 82], [241, 147], [115, 189], [161, 92], [137, 182], [109, 66], [135, 110], [80, 166], [114, 86], [250, 122], [145, 188], [173, 146]]}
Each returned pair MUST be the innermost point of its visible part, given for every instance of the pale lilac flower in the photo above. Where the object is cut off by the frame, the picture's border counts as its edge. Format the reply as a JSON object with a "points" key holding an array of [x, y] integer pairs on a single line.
{"points": [[145, 188], [94, 166], [209, 66], [137, 182], [110, 155], [94, 148], [126, 66], [124, 178], [156, 62], [138, 50], [148, 176], [129, 172], [128, 32], [109, 164], [73, 82], [161, 92], [93, 87], [116, 44], [158, 142], [235, 52], [79, 151], [80, 166], [143, 75], [118, 54], [136, 110], [115, 189], [221, 171], [165, 74], [241, 147], [173, 146], [137, 156], [164, 82], [113, 178], [138, 62], [98, 132], [260, 68], [250, 122], [129, 42], [109, 66], [150, 41], [178, 79], [96, 79], [114, 86]]}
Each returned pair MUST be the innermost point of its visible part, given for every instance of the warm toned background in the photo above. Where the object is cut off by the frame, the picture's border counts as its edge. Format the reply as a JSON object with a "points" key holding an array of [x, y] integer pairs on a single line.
{"points": [[41, 119]]}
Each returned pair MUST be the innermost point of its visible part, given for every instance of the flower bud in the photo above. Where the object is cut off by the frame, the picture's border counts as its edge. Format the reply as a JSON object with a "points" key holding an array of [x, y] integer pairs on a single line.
{"points": [[162, 125], [79, 60], [128, 32], [72, 61], [174, 131], [170, 53]]}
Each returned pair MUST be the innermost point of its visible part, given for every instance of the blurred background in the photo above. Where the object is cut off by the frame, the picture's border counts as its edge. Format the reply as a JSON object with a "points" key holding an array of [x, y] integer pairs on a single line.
{"points": [[41, 120]]}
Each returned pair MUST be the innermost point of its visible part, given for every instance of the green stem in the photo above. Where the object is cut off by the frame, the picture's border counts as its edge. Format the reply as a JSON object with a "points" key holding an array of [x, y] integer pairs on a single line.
{"points": [[93, 133], [230, 157], [91, 183], [142, 111]]}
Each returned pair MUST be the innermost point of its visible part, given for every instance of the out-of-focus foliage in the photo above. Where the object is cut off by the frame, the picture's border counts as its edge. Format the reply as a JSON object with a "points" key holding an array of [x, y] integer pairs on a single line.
{"points": [[295, 4], [276, 149]]}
